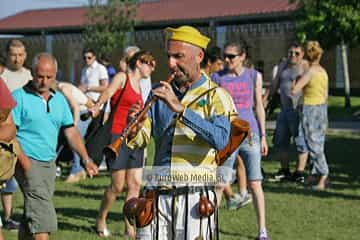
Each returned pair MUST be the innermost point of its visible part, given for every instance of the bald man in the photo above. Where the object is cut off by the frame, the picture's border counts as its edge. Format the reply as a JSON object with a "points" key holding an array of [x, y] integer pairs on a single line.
{"points": [[39, 114], [189, 124]]}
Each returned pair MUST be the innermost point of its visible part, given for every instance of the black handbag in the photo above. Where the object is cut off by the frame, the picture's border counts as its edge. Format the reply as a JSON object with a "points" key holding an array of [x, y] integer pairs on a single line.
{"points": [[98, 135]]}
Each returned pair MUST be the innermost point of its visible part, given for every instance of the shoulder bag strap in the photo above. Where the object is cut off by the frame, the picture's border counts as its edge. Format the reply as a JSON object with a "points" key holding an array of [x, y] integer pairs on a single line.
{"points": [[189, 104], [112, 111], [200, 96]]}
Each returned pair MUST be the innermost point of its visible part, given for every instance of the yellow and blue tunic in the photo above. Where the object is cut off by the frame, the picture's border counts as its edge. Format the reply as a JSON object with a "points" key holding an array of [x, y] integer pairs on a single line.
{"points": [[190, 140]]}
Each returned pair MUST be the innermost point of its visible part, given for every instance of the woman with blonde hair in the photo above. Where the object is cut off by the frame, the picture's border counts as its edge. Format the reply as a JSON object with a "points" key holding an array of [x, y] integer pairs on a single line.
{"points": [[313, 120], [124, 91]]}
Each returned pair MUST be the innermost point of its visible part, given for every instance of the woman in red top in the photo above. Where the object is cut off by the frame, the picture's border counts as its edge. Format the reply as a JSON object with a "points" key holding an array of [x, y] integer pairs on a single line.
{"points": [[128, 166]]}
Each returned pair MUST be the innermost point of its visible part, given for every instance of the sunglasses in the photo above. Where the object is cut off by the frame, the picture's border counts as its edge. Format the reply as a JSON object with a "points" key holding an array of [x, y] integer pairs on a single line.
{"points": [[231, 56], [150, 63], [87, 57], [294, 53]]}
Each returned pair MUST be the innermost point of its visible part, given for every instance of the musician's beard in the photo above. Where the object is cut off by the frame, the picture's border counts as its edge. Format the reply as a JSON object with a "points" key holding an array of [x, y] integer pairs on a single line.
{"points": [[181, 81], [182, 77]]}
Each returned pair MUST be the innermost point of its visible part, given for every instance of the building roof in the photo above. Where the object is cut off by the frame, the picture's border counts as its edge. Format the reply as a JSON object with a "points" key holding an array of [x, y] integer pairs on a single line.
{"points": [[155, 12]]}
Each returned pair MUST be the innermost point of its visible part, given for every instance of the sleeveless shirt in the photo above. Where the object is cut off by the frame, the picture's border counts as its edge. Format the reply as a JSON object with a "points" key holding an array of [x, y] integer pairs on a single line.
{"points": [[128, 98], [242, 90]]}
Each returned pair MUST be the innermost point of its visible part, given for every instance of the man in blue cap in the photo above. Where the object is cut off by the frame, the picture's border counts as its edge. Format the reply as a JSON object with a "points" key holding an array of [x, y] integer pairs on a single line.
{"points": [[189, 124]]}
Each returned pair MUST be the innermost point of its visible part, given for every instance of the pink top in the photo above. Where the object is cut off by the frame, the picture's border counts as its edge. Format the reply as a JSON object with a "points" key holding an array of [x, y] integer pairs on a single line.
{"points": [[6, 100]]}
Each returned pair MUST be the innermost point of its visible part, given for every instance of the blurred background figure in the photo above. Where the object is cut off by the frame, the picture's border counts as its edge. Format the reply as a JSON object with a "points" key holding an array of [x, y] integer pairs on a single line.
{"points": [[15, 76], [94, 80], [105, 60], [287, 122], [272, 100], [212, 61], [79, 104], [313, 118]]}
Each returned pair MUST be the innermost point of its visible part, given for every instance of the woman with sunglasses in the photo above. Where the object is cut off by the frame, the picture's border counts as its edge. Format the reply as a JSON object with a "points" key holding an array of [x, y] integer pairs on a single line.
{"points": [[127, 168], [245, 86], [313, 120]]}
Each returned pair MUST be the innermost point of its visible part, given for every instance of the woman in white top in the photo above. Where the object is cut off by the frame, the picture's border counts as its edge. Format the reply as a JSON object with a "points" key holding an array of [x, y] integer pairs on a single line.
{"points": [[79, 103]]}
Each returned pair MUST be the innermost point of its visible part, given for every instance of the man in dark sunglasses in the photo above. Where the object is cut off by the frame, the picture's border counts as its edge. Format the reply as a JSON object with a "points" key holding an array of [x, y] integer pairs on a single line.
{"points": [[94, 80], [94, 77], [288, 119]]}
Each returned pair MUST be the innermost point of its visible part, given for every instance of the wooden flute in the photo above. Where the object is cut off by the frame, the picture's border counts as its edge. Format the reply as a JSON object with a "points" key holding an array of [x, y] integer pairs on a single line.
{"points": [[111, 151]]}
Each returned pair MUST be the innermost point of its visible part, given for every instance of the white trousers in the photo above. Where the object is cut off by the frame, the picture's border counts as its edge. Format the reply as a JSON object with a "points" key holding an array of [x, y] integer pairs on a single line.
{"points": [[180, 216]]}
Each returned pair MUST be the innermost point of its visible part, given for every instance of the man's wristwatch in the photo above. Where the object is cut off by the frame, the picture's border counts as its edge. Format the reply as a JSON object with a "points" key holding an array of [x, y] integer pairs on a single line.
{"points": [[86, 161]]}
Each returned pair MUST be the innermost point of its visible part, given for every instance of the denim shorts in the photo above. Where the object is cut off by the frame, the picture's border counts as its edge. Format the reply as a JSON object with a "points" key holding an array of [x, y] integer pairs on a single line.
{"points": [[251, 156], [11, 186], [226, 172], [287, 126]]}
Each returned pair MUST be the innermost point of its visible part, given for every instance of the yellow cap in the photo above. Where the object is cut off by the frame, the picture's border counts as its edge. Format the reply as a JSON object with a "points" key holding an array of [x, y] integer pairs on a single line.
{"points": [[188, 34]]}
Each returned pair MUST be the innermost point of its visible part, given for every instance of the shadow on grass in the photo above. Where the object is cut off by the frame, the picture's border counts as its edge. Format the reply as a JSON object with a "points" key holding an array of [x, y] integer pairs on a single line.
{"points": [[292, 189], [344, 185], [64, 225], [339, 113], [234, 235], [93, 187], [343, 154], [88, 216], [78, 194]]}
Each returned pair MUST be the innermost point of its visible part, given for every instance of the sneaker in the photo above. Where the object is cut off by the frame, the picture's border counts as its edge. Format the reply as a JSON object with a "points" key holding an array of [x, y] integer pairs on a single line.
{"points": [[262, 238], [103, 166], [238, 201], [11, 224], [281, 175], [298, 177], [58, 171]]}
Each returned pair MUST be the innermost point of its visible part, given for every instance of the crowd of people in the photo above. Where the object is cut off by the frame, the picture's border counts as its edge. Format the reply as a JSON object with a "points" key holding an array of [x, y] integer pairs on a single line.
{"points": [[189, 118]]}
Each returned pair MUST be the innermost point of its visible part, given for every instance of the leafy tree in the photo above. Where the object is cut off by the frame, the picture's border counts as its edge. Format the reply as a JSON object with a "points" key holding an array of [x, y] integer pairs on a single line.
{"points": [[108, 24], [333, 23]]}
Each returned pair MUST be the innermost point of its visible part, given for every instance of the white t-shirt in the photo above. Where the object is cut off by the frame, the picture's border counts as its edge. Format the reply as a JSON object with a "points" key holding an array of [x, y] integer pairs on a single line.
{"points": [[145, 86], [77, 94], [16, 79], [91, 76]]}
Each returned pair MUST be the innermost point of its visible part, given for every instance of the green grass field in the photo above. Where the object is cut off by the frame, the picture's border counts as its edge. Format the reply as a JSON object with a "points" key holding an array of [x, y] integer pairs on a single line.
{"points": [[293, 212], [337, 110]]}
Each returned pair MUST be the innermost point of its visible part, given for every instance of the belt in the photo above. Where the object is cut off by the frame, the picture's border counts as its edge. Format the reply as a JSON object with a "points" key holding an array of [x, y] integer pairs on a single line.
{"points": [[7, 146], [174, 191]]}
